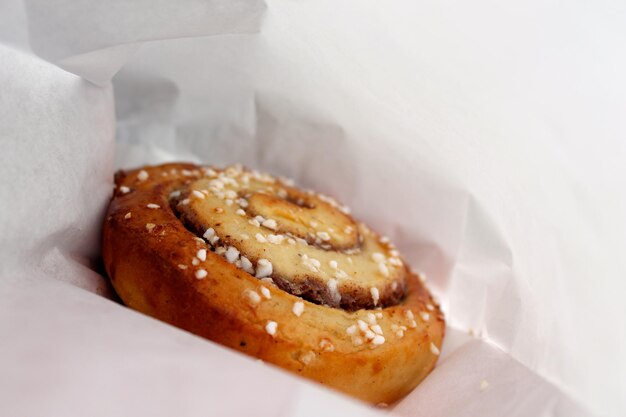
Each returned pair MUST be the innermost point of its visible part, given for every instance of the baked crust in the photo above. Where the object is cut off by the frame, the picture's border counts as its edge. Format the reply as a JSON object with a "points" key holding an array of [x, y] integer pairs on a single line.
{"points": [[149, 256]]}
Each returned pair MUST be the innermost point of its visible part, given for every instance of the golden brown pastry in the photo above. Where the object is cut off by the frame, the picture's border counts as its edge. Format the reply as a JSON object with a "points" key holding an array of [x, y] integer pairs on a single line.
{"points": [[285, 275]]}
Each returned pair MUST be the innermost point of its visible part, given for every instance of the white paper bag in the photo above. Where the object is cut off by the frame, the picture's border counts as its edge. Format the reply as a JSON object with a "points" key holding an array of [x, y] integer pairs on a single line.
{"points": [[487, 141]]}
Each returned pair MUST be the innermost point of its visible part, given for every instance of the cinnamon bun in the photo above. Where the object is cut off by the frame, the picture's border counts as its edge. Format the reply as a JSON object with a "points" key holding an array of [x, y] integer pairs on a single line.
{"points": [[288, 276]]}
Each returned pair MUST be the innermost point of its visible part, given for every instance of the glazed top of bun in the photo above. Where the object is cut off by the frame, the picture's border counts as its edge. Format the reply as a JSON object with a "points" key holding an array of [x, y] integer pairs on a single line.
{"points": [[305, 241]]}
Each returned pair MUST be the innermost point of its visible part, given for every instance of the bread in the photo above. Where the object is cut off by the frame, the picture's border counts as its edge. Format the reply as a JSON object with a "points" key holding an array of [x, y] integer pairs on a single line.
{"points": [[287, 276]]}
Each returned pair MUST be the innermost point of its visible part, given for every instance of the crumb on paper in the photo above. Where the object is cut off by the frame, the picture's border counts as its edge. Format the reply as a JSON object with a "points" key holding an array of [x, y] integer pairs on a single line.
{"points": [[484, 385]]}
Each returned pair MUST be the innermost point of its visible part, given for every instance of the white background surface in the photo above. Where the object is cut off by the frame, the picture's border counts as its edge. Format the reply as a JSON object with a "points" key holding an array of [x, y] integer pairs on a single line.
{"points": [[487, 140]]}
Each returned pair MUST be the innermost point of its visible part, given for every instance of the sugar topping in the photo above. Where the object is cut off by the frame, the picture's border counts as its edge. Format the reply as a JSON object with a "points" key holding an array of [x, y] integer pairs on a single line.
{"points": [[232, 254], [265, 292], [198, 194], [398, 330], [150, 227], [362, 325], [263, 268], [201, 254], [326, 345], [378, 257], [340, 274], [334, 291], [275, 239], [298, 308], [311, 263], [270, 224], [128, 215], [252, 296], [375, 295], [371, 318], [395, 261], [124, 189], [142, 175], [201, 273], [271, 328], [376, 329], [209, 234], [408, 314], [357, 340], [307, 358], [324, 236], [378, 340], [268, 281], [362, 332], [246, 265], [434, 349]]}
